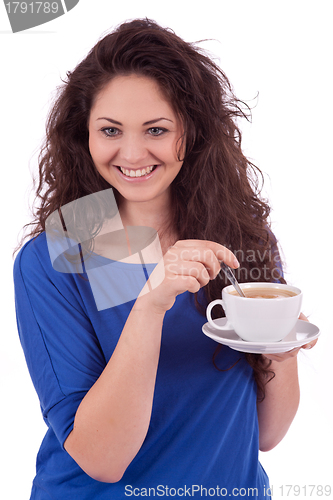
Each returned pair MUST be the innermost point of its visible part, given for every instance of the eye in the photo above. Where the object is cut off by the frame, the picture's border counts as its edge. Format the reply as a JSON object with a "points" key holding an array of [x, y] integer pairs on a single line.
{"points": [[156, 131], [110, 131]]}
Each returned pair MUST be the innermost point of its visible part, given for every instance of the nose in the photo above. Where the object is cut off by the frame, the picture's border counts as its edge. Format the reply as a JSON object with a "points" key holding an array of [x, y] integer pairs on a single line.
{"points": [[133, 150]]}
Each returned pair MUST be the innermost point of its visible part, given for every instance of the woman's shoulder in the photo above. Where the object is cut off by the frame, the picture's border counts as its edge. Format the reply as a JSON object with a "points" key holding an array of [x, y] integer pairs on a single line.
{"points": [[34, 262], [36, 277], [34, 253], [51, 252]]}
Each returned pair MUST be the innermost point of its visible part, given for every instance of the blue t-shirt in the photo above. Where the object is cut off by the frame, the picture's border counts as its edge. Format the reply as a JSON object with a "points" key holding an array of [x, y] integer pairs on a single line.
{"points": [[203, 435]]}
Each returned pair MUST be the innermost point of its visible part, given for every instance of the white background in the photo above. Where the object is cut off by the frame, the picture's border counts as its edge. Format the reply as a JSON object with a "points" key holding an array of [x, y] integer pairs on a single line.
{"points": [[281, 49]]}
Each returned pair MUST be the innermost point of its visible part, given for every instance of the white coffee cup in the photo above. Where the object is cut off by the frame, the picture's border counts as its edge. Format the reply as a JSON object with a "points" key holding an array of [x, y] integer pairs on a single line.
{"points": [[259, 319]]}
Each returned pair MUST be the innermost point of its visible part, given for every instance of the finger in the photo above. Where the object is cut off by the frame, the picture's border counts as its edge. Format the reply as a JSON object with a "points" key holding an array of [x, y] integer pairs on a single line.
{"points": [[191, 283], [203, 256], [221, 252], [283, 356], [184, 283], [189, 268], [303, 317], [310, 345]]}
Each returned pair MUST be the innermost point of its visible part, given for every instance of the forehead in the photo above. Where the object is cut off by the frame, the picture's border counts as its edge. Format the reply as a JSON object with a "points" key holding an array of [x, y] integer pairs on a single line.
{"points": [[132, 93]]}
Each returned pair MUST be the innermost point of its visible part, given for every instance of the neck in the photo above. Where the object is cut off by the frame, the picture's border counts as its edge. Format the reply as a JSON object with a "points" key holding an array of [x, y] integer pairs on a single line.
{"points": [[157, 216]]}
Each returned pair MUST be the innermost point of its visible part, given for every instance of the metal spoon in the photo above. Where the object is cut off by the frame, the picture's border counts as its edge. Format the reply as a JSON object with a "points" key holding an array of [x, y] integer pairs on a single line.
{"points": [[231, 277]]}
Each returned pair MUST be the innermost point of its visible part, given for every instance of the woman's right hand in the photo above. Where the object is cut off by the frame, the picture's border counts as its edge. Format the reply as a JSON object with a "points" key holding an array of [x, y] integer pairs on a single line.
{"points": [[187, 266]]}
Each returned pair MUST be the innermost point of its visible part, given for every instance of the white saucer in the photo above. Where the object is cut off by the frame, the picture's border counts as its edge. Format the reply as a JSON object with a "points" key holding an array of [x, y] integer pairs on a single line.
{"points": [[303, 333]]}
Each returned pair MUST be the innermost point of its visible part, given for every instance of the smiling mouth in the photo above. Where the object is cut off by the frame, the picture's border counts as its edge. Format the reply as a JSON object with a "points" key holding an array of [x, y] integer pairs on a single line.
{"points": [[140, 172]]}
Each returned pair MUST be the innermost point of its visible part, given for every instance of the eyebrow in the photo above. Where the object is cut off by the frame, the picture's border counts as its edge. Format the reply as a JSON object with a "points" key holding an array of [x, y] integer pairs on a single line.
{"points": [[150, 122]]}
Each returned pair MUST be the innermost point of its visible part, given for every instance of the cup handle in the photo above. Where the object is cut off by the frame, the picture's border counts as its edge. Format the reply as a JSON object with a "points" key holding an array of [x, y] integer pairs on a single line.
{"points": [[210, 306]]}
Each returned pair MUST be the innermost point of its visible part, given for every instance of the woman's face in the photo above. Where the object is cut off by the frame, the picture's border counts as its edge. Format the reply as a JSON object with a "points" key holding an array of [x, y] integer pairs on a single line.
{"points": [[133, 138]]}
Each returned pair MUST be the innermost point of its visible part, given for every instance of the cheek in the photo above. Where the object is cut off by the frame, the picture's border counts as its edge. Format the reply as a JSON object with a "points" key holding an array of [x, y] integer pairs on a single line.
{"points": [[168, 151], [100, 152]]}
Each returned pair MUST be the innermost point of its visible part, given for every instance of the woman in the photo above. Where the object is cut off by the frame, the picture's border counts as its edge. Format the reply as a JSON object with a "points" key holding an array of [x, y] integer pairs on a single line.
{"points": [[137, 400]]}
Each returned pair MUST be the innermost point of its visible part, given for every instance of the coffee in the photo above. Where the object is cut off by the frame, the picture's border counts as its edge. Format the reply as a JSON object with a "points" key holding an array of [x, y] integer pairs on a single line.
{"points": [[265, 293]]}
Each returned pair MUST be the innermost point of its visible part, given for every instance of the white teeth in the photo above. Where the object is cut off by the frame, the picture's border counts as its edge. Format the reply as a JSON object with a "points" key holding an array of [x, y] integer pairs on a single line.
{"points": [[138, 172]]}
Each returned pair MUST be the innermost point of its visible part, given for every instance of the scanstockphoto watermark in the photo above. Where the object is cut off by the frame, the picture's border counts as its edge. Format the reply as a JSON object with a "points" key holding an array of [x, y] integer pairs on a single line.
{"points": [[254, 264], [25, 15], [195, 490], [287, 490]]}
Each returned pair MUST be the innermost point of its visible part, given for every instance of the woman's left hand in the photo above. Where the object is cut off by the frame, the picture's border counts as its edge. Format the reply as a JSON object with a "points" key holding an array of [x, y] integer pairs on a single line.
{"points": [[283, 356]]}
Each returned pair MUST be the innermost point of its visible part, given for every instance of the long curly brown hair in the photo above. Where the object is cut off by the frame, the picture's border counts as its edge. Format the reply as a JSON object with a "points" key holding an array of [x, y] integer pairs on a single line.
{"points": [[216, 195]]}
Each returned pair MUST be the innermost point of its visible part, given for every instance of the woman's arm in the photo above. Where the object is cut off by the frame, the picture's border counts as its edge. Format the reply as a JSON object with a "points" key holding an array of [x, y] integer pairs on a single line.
{"points": [[113, 418], [277, 411]]}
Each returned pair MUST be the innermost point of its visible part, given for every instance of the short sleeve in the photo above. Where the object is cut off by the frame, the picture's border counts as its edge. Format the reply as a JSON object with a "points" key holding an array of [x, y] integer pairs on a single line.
{"points": [[62, 351]]}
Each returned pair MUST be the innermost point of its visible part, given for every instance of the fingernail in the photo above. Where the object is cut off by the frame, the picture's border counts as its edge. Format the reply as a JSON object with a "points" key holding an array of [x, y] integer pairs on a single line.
{"points": [[236, 263]]}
